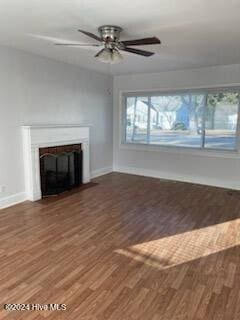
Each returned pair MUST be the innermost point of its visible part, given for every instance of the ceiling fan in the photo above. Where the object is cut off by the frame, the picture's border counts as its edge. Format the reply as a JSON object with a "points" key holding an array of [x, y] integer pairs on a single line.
{"points": [[109, 36]]}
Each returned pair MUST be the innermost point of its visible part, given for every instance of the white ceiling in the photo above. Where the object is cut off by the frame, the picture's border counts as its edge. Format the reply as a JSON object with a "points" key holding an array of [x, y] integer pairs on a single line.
{"points": [[194, 33]]}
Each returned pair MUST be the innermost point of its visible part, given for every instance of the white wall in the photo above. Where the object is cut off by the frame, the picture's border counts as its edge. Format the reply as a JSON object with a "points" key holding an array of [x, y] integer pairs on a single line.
{"points": [[35, 90], [207, 168]]}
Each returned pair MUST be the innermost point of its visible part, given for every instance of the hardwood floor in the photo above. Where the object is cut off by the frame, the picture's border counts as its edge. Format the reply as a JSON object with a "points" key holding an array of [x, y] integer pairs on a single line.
{"points": [[126, 247]]}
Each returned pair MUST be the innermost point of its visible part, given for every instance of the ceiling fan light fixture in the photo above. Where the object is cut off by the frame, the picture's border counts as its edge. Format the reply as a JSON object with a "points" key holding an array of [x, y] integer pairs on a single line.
{"points": [[109, 55], [116, 56], [104, 55]]}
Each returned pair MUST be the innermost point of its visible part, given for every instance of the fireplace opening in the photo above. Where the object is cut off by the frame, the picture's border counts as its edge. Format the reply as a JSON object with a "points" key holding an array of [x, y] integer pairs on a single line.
{"points": [[60, 169]]}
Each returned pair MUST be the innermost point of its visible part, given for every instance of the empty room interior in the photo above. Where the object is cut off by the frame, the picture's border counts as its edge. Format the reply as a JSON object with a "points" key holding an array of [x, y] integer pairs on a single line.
{"points": [[120, 160]]}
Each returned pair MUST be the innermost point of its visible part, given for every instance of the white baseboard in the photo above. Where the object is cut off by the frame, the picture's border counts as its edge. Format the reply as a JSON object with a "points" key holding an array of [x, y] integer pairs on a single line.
{"points": [[184, 178], [101, 172], [20, 197], [12, 200]]}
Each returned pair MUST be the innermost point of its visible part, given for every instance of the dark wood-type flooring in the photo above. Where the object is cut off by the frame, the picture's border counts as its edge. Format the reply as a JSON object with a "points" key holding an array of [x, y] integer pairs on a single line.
{"points": [[124, 248]]}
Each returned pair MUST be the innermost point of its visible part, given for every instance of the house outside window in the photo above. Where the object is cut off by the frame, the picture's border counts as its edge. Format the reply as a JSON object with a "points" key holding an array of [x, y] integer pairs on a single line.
{"points": [[195, 119]]}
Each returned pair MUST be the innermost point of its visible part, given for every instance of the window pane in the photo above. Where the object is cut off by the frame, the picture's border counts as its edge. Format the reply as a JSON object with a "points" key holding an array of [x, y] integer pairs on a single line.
{"points": [[221, 120], [129, 117], [136, 119], [176, 120]]}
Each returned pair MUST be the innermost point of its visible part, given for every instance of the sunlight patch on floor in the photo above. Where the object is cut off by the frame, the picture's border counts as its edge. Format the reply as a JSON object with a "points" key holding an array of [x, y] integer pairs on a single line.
{"points": [[180, 248]]}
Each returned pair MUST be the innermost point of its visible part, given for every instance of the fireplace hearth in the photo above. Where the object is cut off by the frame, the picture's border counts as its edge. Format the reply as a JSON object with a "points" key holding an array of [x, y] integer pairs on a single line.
{"points": [[60, 168]]}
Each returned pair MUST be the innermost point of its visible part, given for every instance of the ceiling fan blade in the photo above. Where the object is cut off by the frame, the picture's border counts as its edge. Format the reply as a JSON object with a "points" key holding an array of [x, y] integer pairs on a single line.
{"points": [[139, 42], [77, 44], [91, 35], [140, 52]]}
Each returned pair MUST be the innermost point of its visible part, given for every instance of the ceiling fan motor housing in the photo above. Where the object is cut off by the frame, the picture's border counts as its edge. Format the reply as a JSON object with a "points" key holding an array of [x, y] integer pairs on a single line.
{"points": [[110, 33]]}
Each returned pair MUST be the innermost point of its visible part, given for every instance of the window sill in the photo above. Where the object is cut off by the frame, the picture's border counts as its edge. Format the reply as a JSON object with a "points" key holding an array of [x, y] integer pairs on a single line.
{"points": [[228, 154]]}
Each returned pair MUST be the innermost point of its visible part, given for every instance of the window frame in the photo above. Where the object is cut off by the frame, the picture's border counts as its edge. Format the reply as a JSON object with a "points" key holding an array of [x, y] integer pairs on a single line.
{"points": [[175, 148]]}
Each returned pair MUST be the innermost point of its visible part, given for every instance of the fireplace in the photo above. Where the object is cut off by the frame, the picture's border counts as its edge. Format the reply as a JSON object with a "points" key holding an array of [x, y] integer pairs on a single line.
{"points": [[60, 168], [56, 158]]}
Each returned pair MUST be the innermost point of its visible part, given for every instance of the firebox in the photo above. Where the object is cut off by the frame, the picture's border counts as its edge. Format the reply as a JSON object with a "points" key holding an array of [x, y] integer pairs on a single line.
{"points": [[60, 168]]}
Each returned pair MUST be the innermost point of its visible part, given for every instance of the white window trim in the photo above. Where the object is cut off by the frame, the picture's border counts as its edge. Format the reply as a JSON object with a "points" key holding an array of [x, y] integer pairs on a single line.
{"points": [[205, 152]]}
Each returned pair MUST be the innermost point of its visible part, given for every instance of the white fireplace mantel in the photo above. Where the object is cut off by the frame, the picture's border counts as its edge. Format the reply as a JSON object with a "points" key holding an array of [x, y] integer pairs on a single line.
{"points": [[40, 136]]}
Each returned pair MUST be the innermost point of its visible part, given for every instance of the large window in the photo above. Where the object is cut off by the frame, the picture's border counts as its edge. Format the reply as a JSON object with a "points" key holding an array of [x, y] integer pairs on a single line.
{"points": [[200, 119]]}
